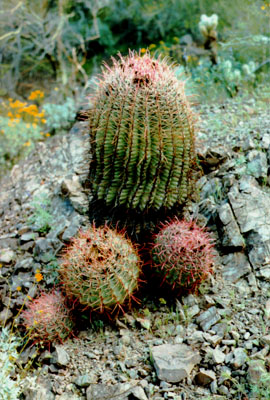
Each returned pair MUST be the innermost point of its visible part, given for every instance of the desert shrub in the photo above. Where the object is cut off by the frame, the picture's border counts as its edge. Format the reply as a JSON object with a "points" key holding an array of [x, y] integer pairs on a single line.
{"points": [[9, 343], [60, 116], [41, 218]]}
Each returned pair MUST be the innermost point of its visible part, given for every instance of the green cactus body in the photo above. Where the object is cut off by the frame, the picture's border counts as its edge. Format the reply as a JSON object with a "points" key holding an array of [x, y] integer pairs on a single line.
{"points": [[100, 268], [142, 135], [183, 254]]}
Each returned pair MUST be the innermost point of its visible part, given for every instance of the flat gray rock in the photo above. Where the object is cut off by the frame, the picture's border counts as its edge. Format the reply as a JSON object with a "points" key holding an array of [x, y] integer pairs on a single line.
{"points": [[174, 362]]}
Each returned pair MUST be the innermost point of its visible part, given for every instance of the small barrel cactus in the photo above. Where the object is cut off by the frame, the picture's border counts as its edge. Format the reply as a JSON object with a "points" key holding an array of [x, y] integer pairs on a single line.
{"points": [[100, 268], [142, 135], [47, 318], [183, 254]]}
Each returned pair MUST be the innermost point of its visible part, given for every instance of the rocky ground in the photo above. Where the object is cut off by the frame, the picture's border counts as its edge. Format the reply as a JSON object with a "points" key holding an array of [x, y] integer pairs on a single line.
{"points": [[215, 345]]}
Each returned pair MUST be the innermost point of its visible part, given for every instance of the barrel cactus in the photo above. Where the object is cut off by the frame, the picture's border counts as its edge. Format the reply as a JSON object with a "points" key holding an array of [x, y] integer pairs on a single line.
{"points": [[183, 254], [47, 318], [100, 268], [142, 135]]}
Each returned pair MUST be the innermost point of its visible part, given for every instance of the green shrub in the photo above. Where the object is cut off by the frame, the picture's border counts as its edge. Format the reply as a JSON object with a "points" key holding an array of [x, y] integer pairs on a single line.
{"points": [[60, 116], [9, 388]]}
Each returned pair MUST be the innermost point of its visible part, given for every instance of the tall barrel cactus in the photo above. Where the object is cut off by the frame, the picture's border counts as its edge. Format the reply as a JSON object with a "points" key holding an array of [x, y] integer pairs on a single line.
{"points": [[142, 134]]}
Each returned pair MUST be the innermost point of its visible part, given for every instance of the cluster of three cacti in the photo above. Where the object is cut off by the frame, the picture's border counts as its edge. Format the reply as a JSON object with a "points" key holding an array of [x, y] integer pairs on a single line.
{"points": [[143, 158]]}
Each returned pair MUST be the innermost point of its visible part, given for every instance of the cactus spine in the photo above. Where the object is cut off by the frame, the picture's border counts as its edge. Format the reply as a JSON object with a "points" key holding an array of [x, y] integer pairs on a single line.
{"points": [[183, 254], [142, 135], [100, 268], [48, 319]]}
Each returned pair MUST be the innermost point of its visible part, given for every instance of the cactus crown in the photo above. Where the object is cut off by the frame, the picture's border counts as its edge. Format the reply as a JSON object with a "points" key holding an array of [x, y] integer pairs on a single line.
{"points": [[100, 268], [142, 135]]}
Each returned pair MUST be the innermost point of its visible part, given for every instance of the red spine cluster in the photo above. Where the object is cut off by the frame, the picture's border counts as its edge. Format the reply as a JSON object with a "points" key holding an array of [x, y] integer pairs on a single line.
{"points": [[47, 318], [183, 254]]}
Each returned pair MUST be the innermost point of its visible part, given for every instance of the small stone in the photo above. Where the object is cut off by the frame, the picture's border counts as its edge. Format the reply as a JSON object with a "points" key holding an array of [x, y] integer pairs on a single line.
{"points": [[239, 357], [218, 356], [235, 335], [173, 363], [6, 256], [265, 339], [208, 318], [28, 236], [60, 356], [204, 377], [223, 390], [85, 380], [144, 322], [72, 229], [192, 311], [236, 265]]}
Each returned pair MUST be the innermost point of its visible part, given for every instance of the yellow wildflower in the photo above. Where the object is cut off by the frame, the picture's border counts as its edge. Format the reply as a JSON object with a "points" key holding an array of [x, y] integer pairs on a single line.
{"points": [[35, 322], [38, 276], [152, 46], [29, 297], [47, 134], [10, 123], [161, 42], [143, 50], [19, 288], [56, 89], [263, 7], [10, 115], [35, 94], [27, 144], [1, 265], [40, 311], [34, 125], [44, 121]]}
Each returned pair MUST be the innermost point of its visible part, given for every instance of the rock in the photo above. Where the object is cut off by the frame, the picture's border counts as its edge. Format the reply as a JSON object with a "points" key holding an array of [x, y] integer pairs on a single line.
{"points": [[86, 380], [208, 318], [265, 339], [239, 357], [24, 265], [43, 247], [28, 236], [73, 189], [60, 356], [122, 391], [231, 235], [68, 396], [257, 164], [218, 356], [6, 256], [144, 322], [42, 391], [72, 229], [205, 377], [173, 363], [236, 265], [255, 371], [252, 209]]}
